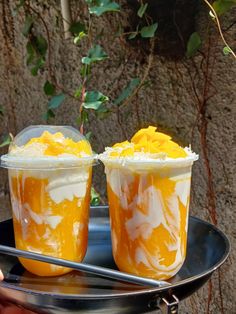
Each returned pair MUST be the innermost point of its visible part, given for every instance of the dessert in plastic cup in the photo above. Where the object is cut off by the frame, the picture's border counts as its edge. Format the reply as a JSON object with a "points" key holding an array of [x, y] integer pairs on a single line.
{"points": [[148, 183], [50, 170]]}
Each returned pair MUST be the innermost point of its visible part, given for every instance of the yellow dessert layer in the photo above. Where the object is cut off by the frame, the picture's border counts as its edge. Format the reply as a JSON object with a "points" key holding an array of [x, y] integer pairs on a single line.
{"points": [[46, 227], [148, 141], [148, 224], [56, 144]]}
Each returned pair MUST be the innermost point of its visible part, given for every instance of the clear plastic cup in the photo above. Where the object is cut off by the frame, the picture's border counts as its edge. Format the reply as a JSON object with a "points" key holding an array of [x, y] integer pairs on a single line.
{"points": [[50, 198], [149, 206]]}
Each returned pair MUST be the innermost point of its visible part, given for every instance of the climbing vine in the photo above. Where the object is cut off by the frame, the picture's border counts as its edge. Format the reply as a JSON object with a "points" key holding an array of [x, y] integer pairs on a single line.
{"points": [[39, 58], [143, 31], [39, 54]]}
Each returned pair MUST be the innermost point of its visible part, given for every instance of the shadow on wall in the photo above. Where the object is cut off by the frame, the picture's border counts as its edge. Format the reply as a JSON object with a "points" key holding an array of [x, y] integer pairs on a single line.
{"points": [[176, 22]]}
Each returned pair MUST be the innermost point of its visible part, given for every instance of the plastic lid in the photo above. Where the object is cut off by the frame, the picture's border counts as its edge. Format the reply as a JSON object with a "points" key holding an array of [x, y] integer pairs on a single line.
{"points": [[37, 160]]}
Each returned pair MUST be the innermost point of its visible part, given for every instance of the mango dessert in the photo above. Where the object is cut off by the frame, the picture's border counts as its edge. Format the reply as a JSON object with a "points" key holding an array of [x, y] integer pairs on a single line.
{"points": [[148, 184], [50, 181]]}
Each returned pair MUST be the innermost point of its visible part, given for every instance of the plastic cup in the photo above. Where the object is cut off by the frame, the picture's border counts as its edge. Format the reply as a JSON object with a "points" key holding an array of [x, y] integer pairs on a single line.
{"points": [[50, 199], [149, 207]]}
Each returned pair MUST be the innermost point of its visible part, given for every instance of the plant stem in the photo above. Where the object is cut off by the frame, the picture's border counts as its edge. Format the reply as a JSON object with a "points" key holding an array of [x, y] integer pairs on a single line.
{"points": [[81, 106], [145, 75], [219, 27]]}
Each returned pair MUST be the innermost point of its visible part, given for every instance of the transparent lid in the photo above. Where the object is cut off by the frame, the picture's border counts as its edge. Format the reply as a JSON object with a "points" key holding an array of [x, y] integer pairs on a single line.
{"points": [[48, 147]]}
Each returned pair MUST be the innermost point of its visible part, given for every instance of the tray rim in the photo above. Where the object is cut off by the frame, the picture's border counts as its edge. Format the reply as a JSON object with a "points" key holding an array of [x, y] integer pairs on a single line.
{"points": [[206, 273]]}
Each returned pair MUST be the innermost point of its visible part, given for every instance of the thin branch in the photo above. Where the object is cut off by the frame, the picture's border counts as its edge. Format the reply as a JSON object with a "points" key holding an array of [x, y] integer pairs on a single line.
{"points": [[220, 292], [81, 105], [120, 123], [209, 299], [48, 39], [219, 27], [50, 71], [229, 27], [146, 73]]}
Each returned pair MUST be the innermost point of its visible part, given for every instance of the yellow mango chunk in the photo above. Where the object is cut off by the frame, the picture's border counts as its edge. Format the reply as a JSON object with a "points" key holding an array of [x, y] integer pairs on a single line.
{"points": [[122, 144], [57, 144], [149, 141]]}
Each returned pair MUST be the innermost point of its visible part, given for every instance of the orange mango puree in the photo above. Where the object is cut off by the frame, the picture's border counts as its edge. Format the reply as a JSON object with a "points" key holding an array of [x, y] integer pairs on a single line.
{"points": [[142, 245], [44, 223], [56, 144], [148, 207]]}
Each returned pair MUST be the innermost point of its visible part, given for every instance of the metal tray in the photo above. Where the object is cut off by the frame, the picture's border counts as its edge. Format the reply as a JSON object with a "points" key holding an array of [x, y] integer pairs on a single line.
{"points": [[78, 292]]}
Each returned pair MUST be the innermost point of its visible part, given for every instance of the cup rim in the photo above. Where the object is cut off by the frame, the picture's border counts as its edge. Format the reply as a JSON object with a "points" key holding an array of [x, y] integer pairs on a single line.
{"points": [[46, 162], [135, 163]]}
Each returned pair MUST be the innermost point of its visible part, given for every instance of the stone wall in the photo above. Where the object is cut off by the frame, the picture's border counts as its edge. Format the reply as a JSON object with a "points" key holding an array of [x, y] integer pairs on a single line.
{"points": [[191, 99]]}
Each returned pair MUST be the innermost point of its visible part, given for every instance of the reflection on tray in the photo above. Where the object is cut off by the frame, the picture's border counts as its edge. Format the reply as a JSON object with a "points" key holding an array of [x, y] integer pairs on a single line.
{"points": [[72, 283], [207, 249]]}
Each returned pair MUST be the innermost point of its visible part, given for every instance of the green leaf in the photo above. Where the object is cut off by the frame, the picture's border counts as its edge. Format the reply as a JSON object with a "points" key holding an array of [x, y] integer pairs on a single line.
{"points": [[99, 7], [78, 92], [102, 109], [39, 63], [127, 91], [88, 135], [227, 50], [49, 88], [28, 24], [86, 60], [102, 112], [48, 115], [82, 118], [2, 111], [56, 101], [93, 100], [149, 31], [41, 45], [78, 38], [85, 70], [36, 53], [133, 35], [142, 10], [194, 43], [95, 198], [96, 53], [30, 53], [222, 6], [6, 141], [77, 28]]}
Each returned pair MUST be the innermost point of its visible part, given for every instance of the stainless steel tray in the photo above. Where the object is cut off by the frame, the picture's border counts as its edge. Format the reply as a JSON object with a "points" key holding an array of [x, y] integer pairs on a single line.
{"points": [[78, 292]]}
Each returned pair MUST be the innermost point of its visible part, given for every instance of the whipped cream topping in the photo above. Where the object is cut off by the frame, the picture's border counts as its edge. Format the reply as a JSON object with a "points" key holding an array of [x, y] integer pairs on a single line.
{"points": [[143, 156], [47, 152], [148, 146], [33, 150]]}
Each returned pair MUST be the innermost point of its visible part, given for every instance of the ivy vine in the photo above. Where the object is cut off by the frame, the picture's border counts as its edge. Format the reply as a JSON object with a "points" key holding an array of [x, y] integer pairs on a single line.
{"points": [[38, 56], [39, 53]]}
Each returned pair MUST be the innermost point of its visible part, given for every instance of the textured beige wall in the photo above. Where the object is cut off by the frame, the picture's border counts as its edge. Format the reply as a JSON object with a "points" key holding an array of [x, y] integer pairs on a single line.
{"points": [[169, 102]]}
